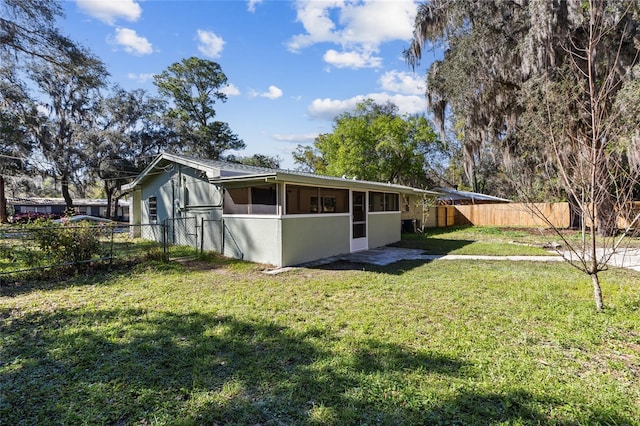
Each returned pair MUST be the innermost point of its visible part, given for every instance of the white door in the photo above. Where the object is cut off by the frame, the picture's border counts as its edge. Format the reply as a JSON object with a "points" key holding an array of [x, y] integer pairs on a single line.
{"points": [[359, 221]]}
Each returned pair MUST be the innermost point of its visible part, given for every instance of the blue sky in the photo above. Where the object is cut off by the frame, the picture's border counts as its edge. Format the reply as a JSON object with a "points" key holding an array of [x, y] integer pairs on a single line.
{"points": [[291, 65]]}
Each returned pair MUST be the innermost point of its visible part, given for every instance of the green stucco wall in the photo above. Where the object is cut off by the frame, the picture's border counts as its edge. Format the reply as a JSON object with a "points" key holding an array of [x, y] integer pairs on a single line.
{"points": [[384, 228], [307, 238], [256, 239]]}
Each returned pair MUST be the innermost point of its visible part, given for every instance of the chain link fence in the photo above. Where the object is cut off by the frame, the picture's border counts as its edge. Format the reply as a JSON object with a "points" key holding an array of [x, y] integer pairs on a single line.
{"points": [[46, 246]]}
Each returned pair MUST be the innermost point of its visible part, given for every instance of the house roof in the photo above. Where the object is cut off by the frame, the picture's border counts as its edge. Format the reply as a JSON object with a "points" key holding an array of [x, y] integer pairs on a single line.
{"points": [[449, 194], [225, 172]]}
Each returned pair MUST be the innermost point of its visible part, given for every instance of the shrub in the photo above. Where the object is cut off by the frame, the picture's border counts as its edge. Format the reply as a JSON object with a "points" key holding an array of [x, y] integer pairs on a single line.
{"points": [[66, 242]]}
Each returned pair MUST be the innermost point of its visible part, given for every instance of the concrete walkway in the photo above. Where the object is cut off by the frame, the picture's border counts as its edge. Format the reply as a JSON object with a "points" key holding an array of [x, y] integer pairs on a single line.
{"points": [[384, 256], [625, 258]]}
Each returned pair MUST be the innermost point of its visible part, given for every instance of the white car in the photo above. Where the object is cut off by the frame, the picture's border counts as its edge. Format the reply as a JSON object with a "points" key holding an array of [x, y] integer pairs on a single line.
{"points": [[83, 217]]}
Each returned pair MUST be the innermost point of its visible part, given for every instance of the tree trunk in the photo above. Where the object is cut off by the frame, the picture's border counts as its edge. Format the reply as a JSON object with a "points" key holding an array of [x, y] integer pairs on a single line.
{"points": [[64, 186], [3, 202], [109, 192], [597, 292]]}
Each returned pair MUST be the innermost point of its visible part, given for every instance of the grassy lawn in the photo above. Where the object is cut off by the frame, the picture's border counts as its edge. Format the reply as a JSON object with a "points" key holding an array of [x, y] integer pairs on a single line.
{"points": [[219, 342], [485, 240]]}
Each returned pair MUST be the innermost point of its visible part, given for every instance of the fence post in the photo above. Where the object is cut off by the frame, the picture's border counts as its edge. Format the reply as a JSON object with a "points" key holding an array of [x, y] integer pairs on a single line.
{"points": [[111, 251], [201, 236], [164, 239]]}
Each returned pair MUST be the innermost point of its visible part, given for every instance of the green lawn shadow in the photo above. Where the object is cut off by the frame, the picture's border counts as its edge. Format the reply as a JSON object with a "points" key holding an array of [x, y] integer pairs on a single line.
{"points": [[62, 367]]}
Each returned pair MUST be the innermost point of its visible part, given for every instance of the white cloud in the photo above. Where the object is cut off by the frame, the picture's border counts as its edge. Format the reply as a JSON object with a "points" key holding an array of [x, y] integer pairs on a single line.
{"points": [[294, 138], [357, 26], [251, 5], [109, 10], [140, 78], [352, 59], [210, 44], [327, 109], [230, 90], [403, 82], [131, 42], [274, 92]]}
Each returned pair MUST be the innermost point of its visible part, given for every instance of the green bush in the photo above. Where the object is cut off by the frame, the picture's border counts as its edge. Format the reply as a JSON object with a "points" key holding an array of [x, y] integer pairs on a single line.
{"points": [[66, 242]]}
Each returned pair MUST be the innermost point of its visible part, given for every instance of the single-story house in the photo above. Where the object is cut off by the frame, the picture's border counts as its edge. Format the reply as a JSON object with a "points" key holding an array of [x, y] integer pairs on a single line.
{"points": [[57, 207], [272, 216]]}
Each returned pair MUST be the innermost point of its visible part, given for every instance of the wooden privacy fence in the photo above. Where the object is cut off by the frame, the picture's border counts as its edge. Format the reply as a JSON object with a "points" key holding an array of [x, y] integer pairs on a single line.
{"points": [[518, 214], [510, 214]]}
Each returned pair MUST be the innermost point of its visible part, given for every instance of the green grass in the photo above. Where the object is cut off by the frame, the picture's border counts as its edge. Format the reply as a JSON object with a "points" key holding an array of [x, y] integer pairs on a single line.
{"points": [[218, 342], [487, 240]]}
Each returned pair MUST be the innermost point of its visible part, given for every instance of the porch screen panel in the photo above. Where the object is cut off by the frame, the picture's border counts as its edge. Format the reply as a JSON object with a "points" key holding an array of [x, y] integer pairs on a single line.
{"points": [[391, 202], [236, 201], [384, 202], [311, 200], [263, 199], [334, 200]]}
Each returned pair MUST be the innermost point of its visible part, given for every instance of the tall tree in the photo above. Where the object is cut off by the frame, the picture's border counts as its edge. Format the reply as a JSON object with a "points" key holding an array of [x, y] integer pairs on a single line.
{"points": [[16, 112], [28, 30], [546, 86], [126, 135], [28, 34], [70, 96], [257, 160], [376, 143], [193, 88]]}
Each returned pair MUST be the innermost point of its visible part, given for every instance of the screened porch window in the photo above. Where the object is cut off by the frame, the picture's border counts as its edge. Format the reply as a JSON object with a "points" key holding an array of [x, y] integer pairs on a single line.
{"points": [[311, 199], [250, 200], [384, 202]]}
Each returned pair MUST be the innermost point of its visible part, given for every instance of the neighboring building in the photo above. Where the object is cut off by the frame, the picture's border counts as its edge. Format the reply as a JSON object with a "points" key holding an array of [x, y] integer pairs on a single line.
{"points": [[57, 207], [272, 216], [453, 197]]}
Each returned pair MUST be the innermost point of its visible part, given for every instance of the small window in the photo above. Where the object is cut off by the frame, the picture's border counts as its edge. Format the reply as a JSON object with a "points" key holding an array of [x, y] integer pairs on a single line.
{"points": [[153, 209]]}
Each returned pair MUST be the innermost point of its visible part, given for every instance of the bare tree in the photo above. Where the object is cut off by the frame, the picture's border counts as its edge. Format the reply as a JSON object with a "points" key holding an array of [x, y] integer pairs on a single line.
{"points": [[589, 121], [551, 89]]}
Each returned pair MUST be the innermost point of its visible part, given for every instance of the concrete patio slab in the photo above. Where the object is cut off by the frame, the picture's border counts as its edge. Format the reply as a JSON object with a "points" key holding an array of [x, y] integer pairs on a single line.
{"points": [[383, 256]]}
